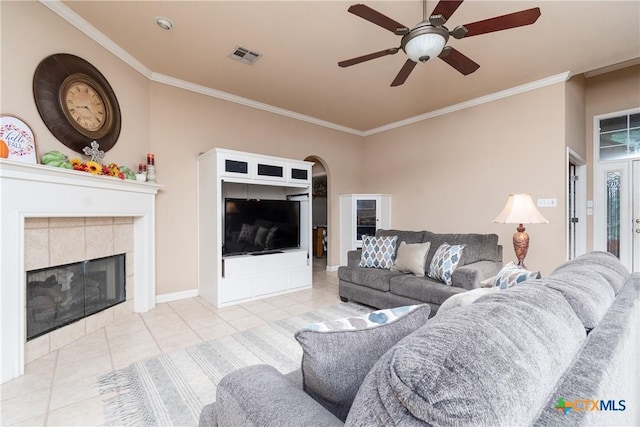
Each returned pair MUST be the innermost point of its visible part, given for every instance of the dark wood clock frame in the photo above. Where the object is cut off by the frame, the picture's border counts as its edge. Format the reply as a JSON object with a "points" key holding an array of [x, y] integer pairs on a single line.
{"points": [[51, 78]]}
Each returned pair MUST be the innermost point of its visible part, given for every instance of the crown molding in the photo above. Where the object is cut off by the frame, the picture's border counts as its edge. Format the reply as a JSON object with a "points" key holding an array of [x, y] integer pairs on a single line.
{"points": [[613, 67], [558, 78], [92, 32], [204, 90]]}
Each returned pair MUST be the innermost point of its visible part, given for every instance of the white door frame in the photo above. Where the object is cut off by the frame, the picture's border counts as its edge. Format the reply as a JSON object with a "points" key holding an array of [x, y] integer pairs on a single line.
{"points": [[580, 242], [636, 215]]}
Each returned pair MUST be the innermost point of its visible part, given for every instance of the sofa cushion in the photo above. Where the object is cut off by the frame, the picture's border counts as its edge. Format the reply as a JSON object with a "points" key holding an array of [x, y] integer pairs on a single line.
{"points": [[603, 263], [403, 235], [513, 274], [378, 252], [461, 367], [335, 362], [587, 292], [411, 258], [479, 246], [422, 289], [375, 278], [445, 261]]}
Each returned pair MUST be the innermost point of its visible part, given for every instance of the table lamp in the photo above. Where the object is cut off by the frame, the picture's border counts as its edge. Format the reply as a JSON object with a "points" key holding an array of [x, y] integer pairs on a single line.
{"points": [[520, 210]]}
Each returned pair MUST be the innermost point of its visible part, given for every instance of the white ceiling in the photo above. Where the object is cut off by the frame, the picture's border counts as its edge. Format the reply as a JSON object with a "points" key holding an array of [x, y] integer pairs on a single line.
{"points": [[301, 43]]}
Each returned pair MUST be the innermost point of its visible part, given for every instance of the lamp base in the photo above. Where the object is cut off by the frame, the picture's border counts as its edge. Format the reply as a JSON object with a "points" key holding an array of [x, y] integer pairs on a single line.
{"points": [[521, 244]]}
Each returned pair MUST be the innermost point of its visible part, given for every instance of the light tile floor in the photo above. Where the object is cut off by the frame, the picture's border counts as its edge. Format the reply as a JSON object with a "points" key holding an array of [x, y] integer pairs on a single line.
{"points": [[60, 389]]}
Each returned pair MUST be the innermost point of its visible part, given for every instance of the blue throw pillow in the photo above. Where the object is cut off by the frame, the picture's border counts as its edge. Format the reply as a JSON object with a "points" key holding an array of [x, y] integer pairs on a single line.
{"points": [[512, 274], [378, 252], [445, 261]]}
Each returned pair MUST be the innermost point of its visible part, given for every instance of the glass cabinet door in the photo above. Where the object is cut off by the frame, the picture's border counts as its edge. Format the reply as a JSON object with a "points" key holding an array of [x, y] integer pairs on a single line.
{"points": [[365, 218]]}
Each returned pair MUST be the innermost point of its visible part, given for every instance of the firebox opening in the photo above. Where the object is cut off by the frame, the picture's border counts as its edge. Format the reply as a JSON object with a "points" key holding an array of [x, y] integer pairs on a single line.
{"points": [[58, 296]]}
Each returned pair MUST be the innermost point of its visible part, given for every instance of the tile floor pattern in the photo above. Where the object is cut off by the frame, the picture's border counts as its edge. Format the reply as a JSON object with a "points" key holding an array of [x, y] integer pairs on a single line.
{"points": [[60, 389]]}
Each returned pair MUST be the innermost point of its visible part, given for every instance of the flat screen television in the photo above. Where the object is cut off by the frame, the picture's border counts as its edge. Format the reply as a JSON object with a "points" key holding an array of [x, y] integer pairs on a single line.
{"points": [[254, 226]]}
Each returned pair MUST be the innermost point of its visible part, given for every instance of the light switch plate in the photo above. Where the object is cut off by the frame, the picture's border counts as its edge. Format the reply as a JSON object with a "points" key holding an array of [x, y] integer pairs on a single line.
{"points": [[547, 203]]}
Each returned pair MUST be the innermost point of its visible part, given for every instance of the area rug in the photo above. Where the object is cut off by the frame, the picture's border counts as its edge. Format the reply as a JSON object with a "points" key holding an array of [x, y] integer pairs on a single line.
{"points": [[171, 389]]}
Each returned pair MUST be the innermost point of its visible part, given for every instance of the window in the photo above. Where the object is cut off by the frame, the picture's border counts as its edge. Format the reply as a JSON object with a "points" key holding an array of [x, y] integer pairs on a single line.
{"points": [[620, 137]]}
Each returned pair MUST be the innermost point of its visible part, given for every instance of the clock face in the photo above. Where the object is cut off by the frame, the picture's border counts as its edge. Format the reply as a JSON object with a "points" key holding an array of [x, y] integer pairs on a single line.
{"points": [[85, 105]]}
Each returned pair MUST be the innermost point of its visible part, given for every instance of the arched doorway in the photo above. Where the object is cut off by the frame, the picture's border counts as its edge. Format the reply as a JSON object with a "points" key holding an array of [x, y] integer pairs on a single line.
{"points": [[320, 212]]}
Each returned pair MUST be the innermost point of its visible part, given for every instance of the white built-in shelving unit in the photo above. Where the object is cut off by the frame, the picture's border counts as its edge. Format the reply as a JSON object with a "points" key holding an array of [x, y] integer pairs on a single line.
{"points": [[228, 280]]}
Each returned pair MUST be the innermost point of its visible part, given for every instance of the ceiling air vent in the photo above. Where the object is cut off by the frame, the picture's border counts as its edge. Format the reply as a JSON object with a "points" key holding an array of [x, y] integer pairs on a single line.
{"points": [[244, 55]]}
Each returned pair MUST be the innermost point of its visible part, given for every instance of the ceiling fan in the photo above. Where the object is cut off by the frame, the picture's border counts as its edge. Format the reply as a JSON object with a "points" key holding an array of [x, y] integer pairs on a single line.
{"points": [[429, 37]]}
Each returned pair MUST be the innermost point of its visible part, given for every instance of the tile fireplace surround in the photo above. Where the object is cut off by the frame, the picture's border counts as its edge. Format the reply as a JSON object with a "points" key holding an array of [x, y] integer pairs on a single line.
{"points": [[37, 191]]}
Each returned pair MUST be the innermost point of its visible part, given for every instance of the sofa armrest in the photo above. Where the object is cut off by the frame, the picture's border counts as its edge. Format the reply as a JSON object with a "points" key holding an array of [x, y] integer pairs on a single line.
{"points": [[353, 258], [469, 276], [259, 395]]}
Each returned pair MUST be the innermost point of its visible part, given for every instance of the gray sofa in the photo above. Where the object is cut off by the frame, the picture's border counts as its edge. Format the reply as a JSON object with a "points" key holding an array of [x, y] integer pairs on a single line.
{"points": [[544, 352], [382, 288]]}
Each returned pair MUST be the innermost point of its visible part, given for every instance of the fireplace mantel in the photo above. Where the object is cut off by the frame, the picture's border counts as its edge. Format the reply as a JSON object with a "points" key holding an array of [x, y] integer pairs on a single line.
{"points": [[28, 190]]}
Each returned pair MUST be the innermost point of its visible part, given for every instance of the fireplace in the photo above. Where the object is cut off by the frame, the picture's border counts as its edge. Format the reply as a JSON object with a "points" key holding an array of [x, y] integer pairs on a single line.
{"points": [[60, 295], [39, 193]]}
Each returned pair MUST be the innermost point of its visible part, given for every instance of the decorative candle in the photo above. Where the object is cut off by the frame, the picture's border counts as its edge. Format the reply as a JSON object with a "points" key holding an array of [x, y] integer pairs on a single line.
{"points": [[142, 168], [151, 159]]}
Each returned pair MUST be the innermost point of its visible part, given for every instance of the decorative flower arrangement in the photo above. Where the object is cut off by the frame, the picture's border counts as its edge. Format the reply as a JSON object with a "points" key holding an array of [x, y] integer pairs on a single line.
{"points": [[95, 168]]}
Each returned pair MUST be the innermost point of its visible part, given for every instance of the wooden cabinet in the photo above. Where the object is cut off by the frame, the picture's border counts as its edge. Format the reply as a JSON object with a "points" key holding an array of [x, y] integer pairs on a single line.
{"points": [[226, 280], [319, 234], [361, 215]]}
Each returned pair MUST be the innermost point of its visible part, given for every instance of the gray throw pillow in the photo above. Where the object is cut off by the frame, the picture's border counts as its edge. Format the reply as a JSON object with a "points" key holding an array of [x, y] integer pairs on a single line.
{"points": [[411, 258], [337, 355]]}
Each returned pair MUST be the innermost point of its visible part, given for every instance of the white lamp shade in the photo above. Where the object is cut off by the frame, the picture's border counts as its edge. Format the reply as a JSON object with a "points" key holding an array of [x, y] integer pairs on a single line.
{"points": [[520, 209], [424, 45]]}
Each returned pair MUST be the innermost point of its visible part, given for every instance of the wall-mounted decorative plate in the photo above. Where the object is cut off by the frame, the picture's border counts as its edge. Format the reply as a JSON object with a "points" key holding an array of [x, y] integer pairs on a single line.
{"points": [[19, 139]]}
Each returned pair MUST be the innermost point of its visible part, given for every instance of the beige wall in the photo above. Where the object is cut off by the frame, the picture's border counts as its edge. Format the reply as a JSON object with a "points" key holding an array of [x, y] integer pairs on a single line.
{"points": [[575, 115], [453, 173], [185, 124], [174, 124], [450, 173], [31, 32], [607, 93]]}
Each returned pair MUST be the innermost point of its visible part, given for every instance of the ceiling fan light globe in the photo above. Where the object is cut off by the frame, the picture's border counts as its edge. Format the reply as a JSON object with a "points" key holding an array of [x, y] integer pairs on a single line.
{"points": [[424, 45]]}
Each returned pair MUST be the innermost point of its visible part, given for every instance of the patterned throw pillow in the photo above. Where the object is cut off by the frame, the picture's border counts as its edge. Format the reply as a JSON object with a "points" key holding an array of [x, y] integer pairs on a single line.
{"points": [[378, 252], [445, 261], [512, 274], [247, 233], [369, 320]]}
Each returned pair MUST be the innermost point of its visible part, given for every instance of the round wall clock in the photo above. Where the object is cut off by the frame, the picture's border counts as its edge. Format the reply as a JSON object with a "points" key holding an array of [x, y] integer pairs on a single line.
{"points": [[76, 102]]}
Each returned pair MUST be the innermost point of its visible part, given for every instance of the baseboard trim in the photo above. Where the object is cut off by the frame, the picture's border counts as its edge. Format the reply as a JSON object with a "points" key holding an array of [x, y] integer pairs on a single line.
{"points": [[332, 267], [174, 296]]}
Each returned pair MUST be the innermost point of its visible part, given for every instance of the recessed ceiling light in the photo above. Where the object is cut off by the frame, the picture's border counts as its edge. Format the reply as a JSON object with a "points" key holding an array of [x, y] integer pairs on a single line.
{"points": [[164, 22]]}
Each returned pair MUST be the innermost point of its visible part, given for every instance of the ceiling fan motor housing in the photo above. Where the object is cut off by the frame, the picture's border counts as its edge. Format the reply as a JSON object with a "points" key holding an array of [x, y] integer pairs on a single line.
{"points": [[424, 41]]}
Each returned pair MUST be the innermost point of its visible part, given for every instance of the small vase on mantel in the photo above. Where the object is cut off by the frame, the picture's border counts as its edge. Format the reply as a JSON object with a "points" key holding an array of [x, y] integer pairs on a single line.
{"points": [[151, 173]]}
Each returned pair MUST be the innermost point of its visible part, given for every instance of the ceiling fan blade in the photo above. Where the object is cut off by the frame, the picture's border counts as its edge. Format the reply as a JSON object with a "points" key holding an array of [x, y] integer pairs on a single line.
{"points": [[406, 69], [504, 22], [363, 58], [365, 12], [445, 8], [458, 61]]}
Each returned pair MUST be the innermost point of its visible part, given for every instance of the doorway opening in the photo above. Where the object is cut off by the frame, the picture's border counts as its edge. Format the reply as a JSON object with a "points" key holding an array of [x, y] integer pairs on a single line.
{"points": [[576, 205], [319, 213]]}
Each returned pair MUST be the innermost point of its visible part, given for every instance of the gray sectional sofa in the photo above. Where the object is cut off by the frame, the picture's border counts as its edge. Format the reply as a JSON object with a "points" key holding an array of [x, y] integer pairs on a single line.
{"points": [[383, 288], [559, 351]]}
